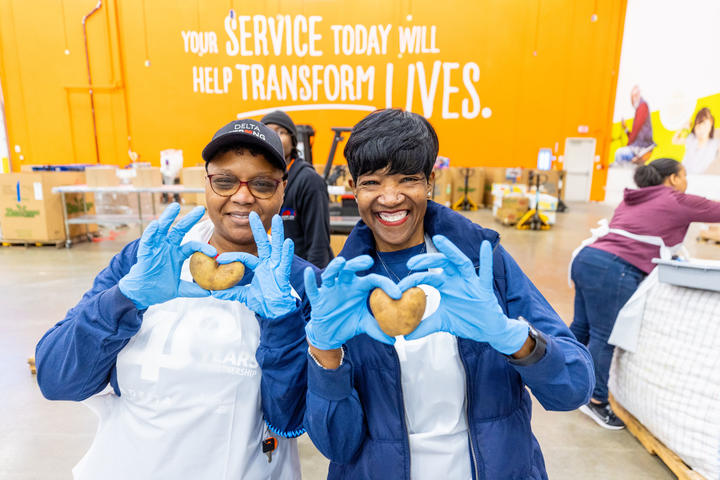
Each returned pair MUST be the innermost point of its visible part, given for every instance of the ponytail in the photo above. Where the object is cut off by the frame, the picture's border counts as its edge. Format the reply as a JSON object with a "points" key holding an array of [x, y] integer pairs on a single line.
{"points": [[655, 172]]}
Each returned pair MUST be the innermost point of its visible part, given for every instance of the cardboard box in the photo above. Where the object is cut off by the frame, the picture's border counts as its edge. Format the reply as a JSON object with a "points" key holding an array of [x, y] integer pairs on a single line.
{"points": [[193, 177], [508, 216], [147, 177], [443, 187], [501, 190], [511, 208], [475, 184], [101, 176], [30, 212], [492, 175]]}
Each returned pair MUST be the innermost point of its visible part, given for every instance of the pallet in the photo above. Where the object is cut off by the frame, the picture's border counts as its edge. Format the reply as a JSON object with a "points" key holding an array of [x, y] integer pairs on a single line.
{"points": [[49, 243], [653, 445]]}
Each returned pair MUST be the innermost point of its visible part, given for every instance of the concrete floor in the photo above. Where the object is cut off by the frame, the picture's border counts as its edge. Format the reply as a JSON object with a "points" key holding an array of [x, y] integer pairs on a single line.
{"points": [[40, 439]]}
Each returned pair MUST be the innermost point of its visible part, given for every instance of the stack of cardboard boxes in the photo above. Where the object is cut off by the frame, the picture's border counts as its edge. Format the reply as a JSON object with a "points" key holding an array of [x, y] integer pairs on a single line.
{"points": [[147, 177], [30, 212], [511, 208], [102, 176], [505, 189], [510, 202], [453, 184], [193, 177], [442, 191]]}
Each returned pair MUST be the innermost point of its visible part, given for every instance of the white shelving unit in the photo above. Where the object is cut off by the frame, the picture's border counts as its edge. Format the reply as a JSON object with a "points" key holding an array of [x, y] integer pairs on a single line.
{"points": [[338, 224], [142, 218]]}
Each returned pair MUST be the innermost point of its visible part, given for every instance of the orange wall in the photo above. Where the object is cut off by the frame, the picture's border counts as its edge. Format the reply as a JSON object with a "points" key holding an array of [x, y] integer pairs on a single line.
{"points": [[544, 69]]}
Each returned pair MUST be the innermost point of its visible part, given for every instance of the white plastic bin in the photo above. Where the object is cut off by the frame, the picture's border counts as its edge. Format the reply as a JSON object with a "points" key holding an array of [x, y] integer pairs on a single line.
{"points": [[696, 273]]}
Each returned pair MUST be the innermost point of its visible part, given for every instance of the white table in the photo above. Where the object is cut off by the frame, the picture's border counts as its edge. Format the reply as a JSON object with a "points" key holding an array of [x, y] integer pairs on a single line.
{"points": [[141, 218]]}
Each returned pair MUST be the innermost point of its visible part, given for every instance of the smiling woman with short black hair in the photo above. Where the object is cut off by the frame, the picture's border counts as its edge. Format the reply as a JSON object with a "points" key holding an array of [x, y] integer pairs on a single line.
{"points": [[448, 399]]}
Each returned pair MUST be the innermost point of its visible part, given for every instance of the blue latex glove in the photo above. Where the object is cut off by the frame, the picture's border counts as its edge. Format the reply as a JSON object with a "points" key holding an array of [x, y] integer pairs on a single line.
{"points": [[269, 294], [340, 306], [468, 306], [155, 278]]}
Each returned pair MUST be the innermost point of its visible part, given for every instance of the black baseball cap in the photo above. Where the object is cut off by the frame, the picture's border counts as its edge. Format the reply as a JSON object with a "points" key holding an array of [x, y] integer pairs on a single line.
{"points": [[249, 132]]}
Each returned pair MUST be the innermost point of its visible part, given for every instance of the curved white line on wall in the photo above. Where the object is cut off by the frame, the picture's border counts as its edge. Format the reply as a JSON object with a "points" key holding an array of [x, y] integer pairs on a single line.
{"points": [[298, 108]]}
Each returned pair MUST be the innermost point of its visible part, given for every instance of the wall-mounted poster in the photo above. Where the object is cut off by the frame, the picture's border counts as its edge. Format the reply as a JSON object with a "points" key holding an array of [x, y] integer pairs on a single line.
{"points": [[668, 94]]}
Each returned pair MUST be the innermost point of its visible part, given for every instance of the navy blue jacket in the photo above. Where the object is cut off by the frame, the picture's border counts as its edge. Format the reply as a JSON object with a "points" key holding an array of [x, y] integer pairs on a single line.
{"points": [[76, 358], [355, 414]]}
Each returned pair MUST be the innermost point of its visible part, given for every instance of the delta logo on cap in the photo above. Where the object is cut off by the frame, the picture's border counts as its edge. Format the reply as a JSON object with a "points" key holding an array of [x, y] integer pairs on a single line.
{"points": [[251, 132], [248, 128]]}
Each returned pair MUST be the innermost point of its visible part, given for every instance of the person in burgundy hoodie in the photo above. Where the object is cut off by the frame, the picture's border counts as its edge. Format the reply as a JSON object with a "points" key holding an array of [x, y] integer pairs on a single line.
{"points": [[608, 271]]}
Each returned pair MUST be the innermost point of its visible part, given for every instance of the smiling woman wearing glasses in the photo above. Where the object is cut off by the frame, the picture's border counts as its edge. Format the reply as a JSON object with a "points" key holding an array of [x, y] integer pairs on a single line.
{"points": [[199, 379], [242, 180]]}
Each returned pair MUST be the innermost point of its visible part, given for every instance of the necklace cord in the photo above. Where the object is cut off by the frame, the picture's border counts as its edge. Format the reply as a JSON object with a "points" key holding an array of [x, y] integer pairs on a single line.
{"points": [[388, 270]]}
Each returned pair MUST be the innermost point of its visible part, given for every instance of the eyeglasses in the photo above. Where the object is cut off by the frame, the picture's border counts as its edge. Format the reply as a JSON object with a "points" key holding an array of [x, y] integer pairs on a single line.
{"points": [[227, 185]]}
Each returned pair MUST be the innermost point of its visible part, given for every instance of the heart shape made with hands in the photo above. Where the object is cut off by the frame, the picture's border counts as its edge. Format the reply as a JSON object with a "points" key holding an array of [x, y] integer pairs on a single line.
{"points": [[398, 317], [211, 276]]}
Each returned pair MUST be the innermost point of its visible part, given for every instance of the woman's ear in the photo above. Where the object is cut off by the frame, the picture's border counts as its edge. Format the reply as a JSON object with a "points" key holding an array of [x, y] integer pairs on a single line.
{"points": [[353, 187], [675, 182], [431, 184]]}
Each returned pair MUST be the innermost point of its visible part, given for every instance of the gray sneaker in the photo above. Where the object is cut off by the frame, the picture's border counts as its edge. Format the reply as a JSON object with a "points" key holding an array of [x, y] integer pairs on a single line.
{"points": [[603, 415]]}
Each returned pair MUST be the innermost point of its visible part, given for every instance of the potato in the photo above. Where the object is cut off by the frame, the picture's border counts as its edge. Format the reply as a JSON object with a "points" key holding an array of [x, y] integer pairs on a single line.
{"points": [[398, 317], [211, 276]]}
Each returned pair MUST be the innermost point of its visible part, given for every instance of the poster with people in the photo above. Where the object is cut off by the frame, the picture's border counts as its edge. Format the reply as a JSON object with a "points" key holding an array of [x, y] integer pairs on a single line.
{"points": [[666, 105], [702, 144]]}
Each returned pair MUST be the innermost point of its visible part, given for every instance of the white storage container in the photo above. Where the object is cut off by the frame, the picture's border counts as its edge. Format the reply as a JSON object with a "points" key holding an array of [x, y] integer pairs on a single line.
{"points": [[696, 273]]}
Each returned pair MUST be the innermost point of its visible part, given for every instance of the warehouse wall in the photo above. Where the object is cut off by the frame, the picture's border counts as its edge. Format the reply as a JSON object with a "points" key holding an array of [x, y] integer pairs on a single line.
{"points": [[498, 79]]}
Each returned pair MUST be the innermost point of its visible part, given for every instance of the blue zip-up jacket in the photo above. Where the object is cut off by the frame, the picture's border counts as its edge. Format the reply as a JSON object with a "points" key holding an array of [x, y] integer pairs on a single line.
{"points": [[76, 358], [355, 413]]}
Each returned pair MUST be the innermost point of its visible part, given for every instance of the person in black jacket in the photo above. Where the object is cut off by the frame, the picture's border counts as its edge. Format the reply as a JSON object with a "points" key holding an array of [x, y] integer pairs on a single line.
{"points": [[305, 210]]}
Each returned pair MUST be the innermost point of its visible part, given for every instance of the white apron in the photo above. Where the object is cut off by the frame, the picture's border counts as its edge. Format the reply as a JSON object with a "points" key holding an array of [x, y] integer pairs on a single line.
{"points": [[190, 404], [627, 324], [434, 395]]}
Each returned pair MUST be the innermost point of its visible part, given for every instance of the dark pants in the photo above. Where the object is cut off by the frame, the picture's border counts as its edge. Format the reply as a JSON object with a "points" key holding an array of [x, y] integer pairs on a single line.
{"points": [[603, 284]]}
